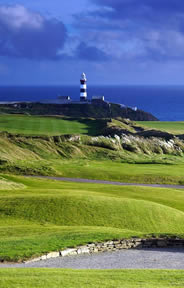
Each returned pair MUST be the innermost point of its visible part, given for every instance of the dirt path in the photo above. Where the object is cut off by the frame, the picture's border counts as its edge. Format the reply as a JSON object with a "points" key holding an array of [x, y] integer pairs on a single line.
{"points": [[80, 180]]}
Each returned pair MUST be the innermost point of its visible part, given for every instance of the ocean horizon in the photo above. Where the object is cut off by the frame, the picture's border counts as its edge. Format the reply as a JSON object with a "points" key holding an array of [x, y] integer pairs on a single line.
{"points": [[164, 102]]}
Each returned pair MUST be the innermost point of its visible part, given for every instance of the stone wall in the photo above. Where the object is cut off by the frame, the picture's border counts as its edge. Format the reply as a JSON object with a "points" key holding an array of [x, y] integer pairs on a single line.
{"points": [[114, 246]]}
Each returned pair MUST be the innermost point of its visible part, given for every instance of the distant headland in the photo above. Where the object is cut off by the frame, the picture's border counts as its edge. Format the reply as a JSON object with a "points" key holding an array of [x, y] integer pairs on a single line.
{"points": [[96, 107]]}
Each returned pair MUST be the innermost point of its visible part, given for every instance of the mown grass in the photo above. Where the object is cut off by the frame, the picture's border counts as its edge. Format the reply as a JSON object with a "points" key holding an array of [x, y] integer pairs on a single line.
{"points": [[174, 127], [143, 170], [51, 215], [38, 125], [38, 278]]}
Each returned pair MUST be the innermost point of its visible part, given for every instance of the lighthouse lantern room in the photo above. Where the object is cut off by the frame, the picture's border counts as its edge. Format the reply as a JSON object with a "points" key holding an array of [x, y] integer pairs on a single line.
{"points": [[83, 88]]}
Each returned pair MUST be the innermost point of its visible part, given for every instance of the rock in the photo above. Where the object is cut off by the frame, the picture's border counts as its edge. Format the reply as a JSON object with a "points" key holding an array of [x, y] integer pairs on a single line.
{"points": [[53, 255], [90, 245], [117, 242], [118, 245], [137, 240], [124, 246], [33, 260], [161, 243], [110, 246], [68, 252], [109, 243], [147, 244], [44, 257], [99, 246], [83, 250], [137, 244]]}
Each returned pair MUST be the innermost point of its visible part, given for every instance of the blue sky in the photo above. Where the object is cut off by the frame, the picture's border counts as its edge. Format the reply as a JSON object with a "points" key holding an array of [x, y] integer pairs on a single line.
{"points": [[50, 42]]}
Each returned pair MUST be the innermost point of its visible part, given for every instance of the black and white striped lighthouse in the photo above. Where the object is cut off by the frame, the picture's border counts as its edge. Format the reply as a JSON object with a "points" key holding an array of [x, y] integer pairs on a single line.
{"points": [[83, 88]]}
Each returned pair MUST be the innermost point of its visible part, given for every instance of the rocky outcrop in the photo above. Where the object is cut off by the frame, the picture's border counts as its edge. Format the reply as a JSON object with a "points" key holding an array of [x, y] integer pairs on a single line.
{"points": [[138, 115], [88, 110]]}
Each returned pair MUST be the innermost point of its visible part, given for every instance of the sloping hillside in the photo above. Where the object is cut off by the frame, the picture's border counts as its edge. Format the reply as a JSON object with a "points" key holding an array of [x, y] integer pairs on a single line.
{"points": [[44, 215], [106, 158]]}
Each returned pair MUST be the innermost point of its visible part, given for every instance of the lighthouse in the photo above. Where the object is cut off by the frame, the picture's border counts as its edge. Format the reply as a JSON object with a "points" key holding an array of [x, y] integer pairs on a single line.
{"points": [[83, 87]]}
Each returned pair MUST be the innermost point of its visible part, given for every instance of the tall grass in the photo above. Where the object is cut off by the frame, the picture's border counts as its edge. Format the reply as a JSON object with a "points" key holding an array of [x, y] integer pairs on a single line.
{"points": [[138, 144]]}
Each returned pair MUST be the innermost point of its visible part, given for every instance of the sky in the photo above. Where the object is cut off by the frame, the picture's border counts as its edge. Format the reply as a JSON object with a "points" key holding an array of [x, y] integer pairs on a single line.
{"points": [[118, 42]]}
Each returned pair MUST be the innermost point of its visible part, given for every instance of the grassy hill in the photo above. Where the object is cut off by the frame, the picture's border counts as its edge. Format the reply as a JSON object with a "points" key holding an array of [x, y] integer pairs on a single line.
{"points": [[45, 215], [126, 159], [171, 127], [37, 125], [39, 216], [57, 125]]}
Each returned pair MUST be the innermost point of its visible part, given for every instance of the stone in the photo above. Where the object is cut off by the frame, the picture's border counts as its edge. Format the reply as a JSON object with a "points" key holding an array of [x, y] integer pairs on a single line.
{"points": [[44, 257], [117, 242], [109, 243], [110, 246], [118, 245], [68, 252], [138, 244], [124, 246], [33, 260], [99, 246], [83, 250], [137, 240], [91, 245], [161, 243], [104, 250], [53, 255], [147, 244]]}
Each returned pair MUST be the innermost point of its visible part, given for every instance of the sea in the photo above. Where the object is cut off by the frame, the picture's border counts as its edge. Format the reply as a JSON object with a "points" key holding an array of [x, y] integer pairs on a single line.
{"points": [[164, 102]]}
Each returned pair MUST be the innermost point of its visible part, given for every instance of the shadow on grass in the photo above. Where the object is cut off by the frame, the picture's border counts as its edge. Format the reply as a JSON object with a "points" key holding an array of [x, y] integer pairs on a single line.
{"points": [[94, 127]]}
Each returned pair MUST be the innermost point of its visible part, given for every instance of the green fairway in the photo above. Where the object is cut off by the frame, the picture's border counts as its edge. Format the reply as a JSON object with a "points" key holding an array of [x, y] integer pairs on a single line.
{"points": [[47, 278], [46, 215], [34, 125], [171, 127], [142, 172]]}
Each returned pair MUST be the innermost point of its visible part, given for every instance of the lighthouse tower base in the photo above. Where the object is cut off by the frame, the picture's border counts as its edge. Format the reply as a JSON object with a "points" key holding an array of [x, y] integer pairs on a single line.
{"points": [[83, 99]]}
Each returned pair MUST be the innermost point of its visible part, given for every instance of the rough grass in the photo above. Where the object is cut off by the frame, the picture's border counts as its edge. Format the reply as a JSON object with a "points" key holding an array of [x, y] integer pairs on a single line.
{"points": [[123, 124], [171, 127], [34, 125], [38, 278], [9, 185], [51, 215], [141, 170], [72, 156]]}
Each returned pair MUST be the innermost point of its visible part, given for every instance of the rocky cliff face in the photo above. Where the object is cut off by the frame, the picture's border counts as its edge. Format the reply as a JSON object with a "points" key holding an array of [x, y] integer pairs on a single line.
{"points": [[77, 110], [128, 113]]}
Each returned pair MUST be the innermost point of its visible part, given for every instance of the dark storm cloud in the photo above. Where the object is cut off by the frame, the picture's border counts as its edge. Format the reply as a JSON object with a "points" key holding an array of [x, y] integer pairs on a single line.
{"points": [[135, 30], [90, 53], [28, 34], [141, 7], [151, 12]]}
